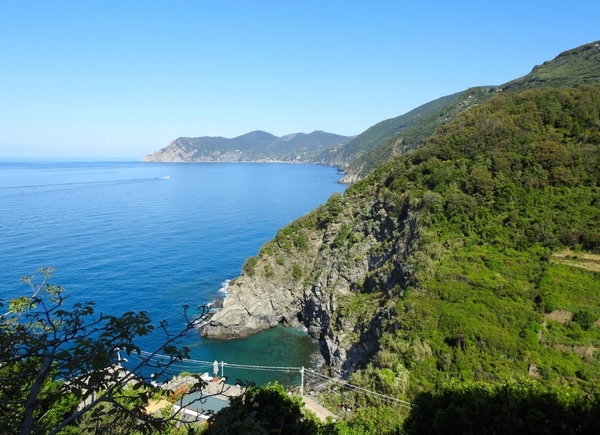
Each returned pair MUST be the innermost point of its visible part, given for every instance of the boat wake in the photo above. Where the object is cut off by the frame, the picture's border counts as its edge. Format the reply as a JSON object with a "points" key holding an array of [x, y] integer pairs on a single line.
{"points": [[80, 183]]}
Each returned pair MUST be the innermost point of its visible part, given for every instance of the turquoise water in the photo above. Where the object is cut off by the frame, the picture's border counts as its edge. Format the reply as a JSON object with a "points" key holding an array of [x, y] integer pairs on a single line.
{"points": [[155, 237]]}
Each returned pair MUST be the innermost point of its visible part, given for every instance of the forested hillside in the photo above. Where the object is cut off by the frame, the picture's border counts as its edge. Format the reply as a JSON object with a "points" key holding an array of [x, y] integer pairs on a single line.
{"points": [[412, 136], [501, 194], [345, 154]]}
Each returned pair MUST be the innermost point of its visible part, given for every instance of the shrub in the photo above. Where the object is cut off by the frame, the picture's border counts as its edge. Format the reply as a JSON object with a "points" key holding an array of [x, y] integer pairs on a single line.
{"points": [[585, 318], [510, 407], [249, 265], [296, 271]]}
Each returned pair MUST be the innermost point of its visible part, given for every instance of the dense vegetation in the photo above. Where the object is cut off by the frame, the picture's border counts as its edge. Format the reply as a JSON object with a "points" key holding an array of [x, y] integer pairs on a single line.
{"points": [[383, 131], [264, 410], [508, 407], [501, 281], [501, 193], [412, 136], [498, 191]]}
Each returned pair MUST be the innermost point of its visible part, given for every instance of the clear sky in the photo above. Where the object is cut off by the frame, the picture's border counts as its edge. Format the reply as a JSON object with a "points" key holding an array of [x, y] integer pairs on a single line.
{"points": [[123, 78]]}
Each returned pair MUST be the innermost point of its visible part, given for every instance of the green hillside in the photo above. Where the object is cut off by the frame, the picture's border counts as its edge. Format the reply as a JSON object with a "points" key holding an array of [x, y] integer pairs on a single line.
{"points": [[473, 258], [580, 65], [412, 137], [570, 68], [382, 131], [499, 192]]}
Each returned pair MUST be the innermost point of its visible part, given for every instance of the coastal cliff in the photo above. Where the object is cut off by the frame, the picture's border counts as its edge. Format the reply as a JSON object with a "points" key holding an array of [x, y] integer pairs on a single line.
{"points": [[312, 269]]}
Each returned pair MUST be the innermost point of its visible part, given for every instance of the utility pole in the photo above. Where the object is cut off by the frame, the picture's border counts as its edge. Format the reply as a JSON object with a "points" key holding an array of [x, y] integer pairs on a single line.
{"points": [[302, 382]]}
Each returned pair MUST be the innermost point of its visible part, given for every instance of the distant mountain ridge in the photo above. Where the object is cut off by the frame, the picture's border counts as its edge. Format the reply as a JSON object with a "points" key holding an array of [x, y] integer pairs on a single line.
{"points": [[250, 147]]}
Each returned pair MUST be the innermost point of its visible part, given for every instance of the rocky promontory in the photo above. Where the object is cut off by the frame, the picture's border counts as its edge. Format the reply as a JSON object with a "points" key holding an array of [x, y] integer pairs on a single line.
{"points": [[310, 271]]}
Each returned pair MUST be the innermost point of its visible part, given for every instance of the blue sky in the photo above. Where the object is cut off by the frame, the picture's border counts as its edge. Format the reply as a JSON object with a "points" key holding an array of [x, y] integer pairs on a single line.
{"points": [[124, 78]]}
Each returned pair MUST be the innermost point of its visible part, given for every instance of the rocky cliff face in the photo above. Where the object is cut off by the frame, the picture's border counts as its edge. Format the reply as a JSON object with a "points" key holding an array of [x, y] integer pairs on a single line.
{"points": [[312, 270], [174, 152]]}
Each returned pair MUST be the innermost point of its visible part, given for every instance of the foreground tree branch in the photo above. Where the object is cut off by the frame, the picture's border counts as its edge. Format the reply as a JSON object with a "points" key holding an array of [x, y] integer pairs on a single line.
{"points": [[58, 363]]}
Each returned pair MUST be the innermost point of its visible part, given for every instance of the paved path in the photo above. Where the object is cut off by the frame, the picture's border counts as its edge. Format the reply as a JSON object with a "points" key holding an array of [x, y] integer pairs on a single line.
{"points": [[319, 410]]}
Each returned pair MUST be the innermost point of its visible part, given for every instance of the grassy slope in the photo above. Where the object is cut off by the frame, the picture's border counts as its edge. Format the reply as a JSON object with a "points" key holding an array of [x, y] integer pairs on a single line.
{"points": [[580, 65]]}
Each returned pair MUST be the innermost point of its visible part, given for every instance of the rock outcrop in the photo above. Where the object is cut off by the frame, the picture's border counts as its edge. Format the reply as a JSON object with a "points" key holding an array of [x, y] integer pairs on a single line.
{"points": [[251, 306], [310, 271]]}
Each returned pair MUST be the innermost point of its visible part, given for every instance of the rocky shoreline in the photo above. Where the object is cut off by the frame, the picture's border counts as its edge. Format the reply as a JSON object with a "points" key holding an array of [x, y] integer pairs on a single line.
{"points": [[271, 293]]}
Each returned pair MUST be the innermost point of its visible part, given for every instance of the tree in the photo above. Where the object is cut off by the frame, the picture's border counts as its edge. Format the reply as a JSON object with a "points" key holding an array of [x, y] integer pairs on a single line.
{"points": [[262, 410], [516, 407], [58, 363]]}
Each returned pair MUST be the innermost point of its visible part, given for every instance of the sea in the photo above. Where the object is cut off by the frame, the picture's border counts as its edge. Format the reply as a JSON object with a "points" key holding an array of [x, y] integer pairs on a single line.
{"points": [[155, 237]]}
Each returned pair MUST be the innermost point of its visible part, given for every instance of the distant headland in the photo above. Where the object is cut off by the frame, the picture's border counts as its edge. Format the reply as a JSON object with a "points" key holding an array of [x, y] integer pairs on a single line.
{"points": [[256, 146]]}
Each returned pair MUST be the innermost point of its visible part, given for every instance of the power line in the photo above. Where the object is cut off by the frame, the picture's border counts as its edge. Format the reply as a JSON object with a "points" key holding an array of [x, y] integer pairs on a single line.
{"points": [[315, 376], [193, 363], [355, 387]]}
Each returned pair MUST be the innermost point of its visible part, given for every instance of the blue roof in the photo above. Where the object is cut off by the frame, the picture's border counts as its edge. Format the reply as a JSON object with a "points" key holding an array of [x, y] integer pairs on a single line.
{"points": [[203, 405]]}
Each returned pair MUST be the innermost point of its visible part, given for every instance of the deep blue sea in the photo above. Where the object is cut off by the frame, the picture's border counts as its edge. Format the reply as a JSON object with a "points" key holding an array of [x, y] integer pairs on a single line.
{"points": [[155, 237]]}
